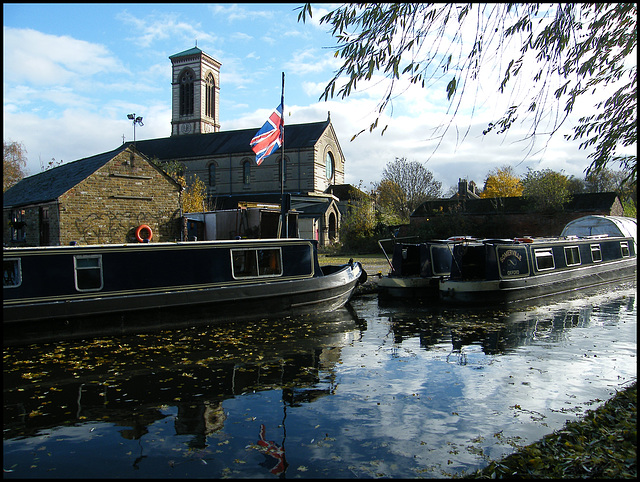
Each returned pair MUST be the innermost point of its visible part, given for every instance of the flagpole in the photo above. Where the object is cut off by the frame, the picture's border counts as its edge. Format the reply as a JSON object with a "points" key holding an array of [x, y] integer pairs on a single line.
{"points": [[283, 206]]}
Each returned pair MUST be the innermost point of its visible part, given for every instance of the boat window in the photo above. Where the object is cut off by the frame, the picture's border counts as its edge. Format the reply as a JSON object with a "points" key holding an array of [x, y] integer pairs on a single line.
{"points": [[513, 261], [249, 263], [88, 272], [544, 259], [624, 246], [596, 254], [572, 255], [441, 259], [11, 273]]}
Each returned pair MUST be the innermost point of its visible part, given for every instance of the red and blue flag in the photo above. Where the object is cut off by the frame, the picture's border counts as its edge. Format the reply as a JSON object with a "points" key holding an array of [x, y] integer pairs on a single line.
{"points": [[269, 138]]}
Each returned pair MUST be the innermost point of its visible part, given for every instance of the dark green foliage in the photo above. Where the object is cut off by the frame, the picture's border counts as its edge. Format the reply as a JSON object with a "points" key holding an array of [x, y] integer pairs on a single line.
{"points": [[601, 445]]}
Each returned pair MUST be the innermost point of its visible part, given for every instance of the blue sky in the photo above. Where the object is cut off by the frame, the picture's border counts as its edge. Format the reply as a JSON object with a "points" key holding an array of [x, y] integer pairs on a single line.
{"points": [[72, 73]]}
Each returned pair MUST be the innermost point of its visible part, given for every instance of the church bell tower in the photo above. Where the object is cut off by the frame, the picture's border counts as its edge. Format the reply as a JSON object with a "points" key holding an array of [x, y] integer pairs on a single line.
{"points": [[195, 92]]}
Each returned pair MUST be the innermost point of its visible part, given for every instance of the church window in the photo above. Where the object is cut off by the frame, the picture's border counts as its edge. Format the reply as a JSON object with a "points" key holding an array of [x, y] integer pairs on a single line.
{"points": [[210, 89], [186, 93], [212, 174], [246, 172], [330, 166]]}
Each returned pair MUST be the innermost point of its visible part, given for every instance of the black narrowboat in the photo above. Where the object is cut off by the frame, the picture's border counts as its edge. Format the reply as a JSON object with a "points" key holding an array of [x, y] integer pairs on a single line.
{"points": [[233, 279], [592, 251], [417, 268]]}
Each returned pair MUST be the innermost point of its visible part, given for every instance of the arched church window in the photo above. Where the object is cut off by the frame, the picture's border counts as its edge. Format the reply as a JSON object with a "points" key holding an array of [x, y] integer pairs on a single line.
{"points": [[210, 88], [330, 166], [333, 227], [212, 174], [246, 172], [186, 92]]}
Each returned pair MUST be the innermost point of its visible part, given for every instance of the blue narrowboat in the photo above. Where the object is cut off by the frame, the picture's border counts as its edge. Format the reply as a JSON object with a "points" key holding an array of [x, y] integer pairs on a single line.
{"points": [[591, 251], [233, 279]]}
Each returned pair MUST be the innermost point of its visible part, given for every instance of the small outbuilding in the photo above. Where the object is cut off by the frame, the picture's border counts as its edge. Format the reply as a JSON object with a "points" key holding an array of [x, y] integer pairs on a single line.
{"points": [[105, 198]]}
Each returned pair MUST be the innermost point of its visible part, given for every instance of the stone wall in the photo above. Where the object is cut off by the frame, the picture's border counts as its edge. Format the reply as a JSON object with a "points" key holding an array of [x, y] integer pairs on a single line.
{"points": [[109, 205]]}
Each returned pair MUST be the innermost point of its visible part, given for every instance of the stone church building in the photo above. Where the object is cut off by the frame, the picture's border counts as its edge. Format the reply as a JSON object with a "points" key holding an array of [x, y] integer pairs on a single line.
{"points": [[314, 163], [223, 160]]}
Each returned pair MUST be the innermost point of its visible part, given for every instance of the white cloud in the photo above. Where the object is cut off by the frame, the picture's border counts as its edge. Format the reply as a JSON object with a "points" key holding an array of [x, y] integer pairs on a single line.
{"points": [[58, 101], [41, 59], [155, 27]]}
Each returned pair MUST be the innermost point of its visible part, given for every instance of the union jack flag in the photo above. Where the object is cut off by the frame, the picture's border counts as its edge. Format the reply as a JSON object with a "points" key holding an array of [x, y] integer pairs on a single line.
{"points": [[268, 139]]}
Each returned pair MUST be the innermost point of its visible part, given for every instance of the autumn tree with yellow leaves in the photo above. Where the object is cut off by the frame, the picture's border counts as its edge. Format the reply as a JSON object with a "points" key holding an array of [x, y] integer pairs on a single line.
{"points": [[193, 196], [502, 182]]}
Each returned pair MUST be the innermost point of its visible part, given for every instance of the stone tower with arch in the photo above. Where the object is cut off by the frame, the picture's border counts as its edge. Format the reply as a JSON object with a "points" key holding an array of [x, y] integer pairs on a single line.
{"points": [[195, 93]]}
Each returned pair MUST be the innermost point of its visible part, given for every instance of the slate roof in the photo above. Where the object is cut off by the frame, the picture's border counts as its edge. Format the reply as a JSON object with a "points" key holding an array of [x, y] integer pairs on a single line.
{"points": [[296, 136], [51, 184]]}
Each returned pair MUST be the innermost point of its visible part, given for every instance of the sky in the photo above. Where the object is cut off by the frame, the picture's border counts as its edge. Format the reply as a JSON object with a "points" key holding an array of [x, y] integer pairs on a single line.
{"points": [[72, 73]]}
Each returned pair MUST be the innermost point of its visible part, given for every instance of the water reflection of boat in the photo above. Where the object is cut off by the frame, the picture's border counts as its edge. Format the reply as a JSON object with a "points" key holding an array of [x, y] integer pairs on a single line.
{"points": [[131, 381], [231, 279], [499, 332], [591, 251]]}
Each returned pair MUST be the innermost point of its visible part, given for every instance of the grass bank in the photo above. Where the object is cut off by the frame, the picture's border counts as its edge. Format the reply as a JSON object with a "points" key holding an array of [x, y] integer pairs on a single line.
{"points": [[602, 444], [372, 263]]}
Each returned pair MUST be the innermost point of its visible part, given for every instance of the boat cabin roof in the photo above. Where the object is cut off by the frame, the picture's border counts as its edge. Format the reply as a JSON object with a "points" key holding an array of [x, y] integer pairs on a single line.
{"points": [[186, 244]]}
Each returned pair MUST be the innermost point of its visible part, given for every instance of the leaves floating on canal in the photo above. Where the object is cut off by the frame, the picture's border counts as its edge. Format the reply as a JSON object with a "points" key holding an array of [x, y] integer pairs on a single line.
{"points": [[401, 390]]}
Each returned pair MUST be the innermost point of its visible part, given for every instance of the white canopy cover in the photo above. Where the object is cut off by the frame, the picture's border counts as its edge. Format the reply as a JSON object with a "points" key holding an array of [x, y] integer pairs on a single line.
{"points": [[609, 225]]}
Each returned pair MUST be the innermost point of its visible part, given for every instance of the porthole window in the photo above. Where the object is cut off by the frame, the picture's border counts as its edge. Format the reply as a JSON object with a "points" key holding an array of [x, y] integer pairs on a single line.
{"points": [[330, 166], [624, 247], [572, 255], [11, 273]]}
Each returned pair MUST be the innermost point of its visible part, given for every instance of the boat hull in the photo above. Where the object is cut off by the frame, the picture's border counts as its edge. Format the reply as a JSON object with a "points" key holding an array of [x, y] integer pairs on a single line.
{"points": [[416, 268], [490, 291], [408, 287]]}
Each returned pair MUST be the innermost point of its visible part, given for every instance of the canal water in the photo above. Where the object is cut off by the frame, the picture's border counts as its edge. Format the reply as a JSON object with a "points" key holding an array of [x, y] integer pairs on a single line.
{"points": [[399, 390]]}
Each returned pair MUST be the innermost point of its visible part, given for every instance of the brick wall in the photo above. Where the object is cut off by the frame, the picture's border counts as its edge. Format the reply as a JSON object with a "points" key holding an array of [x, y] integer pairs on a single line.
{"points": [[495, 225]]}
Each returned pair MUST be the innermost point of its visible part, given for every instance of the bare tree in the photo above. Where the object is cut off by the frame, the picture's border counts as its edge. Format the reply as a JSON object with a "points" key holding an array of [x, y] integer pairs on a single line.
{"points": [[405, 185], [14, 163]]}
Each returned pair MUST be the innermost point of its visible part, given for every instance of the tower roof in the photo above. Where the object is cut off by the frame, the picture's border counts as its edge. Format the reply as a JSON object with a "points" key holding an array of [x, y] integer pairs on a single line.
{"points": [[191, 51]]}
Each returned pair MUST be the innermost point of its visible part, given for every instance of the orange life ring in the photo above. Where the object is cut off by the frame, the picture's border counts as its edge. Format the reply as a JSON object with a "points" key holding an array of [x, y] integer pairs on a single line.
{"points": [[140, 238]]}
